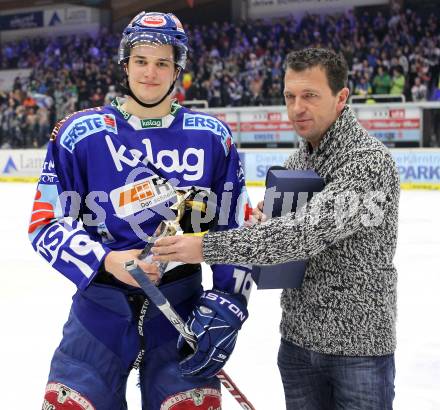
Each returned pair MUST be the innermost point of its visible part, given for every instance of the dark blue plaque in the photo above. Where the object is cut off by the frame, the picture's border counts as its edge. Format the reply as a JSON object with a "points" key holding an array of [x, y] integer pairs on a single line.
{"points": [[286, 191]]}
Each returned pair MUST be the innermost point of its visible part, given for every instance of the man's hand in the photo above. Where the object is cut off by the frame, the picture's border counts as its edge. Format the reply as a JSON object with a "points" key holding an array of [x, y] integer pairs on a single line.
{"points": [[187, 249], [114, 264], [257, 216]]}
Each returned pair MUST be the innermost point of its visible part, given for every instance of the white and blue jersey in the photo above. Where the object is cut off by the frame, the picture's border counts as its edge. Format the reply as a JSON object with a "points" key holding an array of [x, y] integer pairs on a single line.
{"points": [[105, 173], [108, 181]]}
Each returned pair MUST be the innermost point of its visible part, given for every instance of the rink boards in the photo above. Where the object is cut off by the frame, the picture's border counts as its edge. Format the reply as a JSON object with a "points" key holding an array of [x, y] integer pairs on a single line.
{"points": [[419, 168]]}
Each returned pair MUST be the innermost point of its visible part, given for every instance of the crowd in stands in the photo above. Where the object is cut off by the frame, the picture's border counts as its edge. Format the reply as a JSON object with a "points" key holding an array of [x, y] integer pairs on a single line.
{"points": [[230, 65]]}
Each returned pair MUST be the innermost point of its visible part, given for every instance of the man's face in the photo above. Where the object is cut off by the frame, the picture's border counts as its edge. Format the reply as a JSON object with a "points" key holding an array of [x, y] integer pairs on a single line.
{"points": [[151, 71], [311, 106]]}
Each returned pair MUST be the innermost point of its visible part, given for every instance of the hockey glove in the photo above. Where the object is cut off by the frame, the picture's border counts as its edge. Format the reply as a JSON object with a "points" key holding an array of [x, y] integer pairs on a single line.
{"points": [[215, 322]]}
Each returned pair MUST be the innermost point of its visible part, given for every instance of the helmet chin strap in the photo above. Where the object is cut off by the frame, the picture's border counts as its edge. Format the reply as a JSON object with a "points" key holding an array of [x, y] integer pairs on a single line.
{"points": [[145, 105], [131, 94]]}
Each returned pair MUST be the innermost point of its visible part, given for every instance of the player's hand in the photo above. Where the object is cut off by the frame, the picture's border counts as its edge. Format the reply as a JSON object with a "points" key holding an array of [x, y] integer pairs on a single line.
{"points": [[257, 216], [114, 264], [187, 249], [215, 322]]}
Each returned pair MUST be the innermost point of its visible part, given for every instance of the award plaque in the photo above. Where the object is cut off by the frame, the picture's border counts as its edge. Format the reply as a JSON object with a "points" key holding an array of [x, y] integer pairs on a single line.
{"points": [[281, 183]]}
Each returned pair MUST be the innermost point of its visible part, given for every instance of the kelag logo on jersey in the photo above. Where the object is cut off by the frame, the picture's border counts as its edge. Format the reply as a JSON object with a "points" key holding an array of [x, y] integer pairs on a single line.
{"points": [[208, 123], [84, 126], [139, 195], [189, 162], [151, 123]]}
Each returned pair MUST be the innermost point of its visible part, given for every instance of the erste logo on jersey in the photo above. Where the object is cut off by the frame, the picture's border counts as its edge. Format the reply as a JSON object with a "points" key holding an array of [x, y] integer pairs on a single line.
{"points": [[153, 20], [139, 195], [59, 124], [82, 127], [208, 123]]}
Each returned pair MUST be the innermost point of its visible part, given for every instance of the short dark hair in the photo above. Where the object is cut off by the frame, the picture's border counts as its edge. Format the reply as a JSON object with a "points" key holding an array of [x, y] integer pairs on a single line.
{"points": [[334, 65]]}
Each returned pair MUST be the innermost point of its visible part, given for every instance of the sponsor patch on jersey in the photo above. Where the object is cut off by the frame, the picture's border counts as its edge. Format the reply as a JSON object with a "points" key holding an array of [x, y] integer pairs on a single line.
{"points": [[175, 107], [199, 398], [227, 142], [115, 103], [43, 212], [45, 209], [151, 123], [153, 20], [48, 175], [60, 123], [110, 122], [59, 396], [208, 123], [84, 126], [139, 195]]}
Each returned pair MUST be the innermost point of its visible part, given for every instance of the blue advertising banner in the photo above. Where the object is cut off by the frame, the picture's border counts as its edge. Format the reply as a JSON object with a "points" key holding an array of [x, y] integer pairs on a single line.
{"points": [[256, 163], [20, 21], [389, 136], [418, 168]]}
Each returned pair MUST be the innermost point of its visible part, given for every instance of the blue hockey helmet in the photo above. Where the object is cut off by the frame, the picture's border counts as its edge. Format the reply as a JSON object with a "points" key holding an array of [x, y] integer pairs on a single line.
{"points": [[155, 29]]}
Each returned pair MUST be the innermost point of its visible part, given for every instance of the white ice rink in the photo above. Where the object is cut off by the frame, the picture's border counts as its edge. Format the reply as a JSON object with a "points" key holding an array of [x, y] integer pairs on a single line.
{"points": [[35, 301]]}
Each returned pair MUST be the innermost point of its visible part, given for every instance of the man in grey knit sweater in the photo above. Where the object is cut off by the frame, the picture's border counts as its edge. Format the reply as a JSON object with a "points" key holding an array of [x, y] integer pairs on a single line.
{"points": [[338, 329]]}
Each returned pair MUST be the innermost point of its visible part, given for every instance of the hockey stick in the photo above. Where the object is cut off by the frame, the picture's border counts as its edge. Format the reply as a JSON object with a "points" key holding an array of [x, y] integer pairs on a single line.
{"points": [[157, 297]]}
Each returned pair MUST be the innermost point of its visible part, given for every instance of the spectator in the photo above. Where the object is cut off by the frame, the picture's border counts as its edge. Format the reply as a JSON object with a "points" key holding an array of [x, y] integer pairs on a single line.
{"points": [[43, 126], [381, 81], [83, 95], [397, 82], [111, 95], [436, 93], [255, 87], [227, 57], [97, 97], [363, 87], [31, 136], [419, 90], [275, 95], [402, 61], [29, 101]]}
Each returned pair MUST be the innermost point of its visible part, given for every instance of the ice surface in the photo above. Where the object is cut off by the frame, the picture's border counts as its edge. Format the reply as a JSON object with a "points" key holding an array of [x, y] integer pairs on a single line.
{"points": [[35, 301]]}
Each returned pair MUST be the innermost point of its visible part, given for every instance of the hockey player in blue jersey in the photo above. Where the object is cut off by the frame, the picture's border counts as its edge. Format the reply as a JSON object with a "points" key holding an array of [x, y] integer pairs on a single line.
{"points": [[110, 177]]}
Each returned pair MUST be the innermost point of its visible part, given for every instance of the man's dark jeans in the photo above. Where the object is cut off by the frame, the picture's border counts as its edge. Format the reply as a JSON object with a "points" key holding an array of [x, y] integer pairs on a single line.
{"points": [[314, 381]]}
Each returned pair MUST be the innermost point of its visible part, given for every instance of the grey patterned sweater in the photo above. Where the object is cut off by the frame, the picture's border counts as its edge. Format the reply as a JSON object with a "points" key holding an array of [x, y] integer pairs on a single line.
{"points": [[348, 232]]}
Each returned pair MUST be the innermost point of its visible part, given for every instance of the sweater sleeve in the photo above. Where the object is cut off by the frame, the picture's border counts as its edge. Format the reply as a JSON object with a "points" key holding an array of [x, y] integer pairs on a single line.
{"points": [[356, 198]]}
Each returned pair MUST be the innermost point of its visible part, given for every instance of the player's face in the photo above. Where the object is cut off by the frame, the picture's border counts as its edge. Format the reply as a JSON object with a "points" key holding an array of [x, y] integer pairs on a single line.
{"points": [[151, 71], [311, 106]]}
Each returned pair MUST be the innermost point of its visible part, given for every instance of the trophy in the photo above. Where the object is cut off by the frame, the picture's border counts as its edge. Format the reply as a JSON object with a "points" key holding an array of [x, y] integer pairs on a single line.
{"points": [[182, 208]]}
